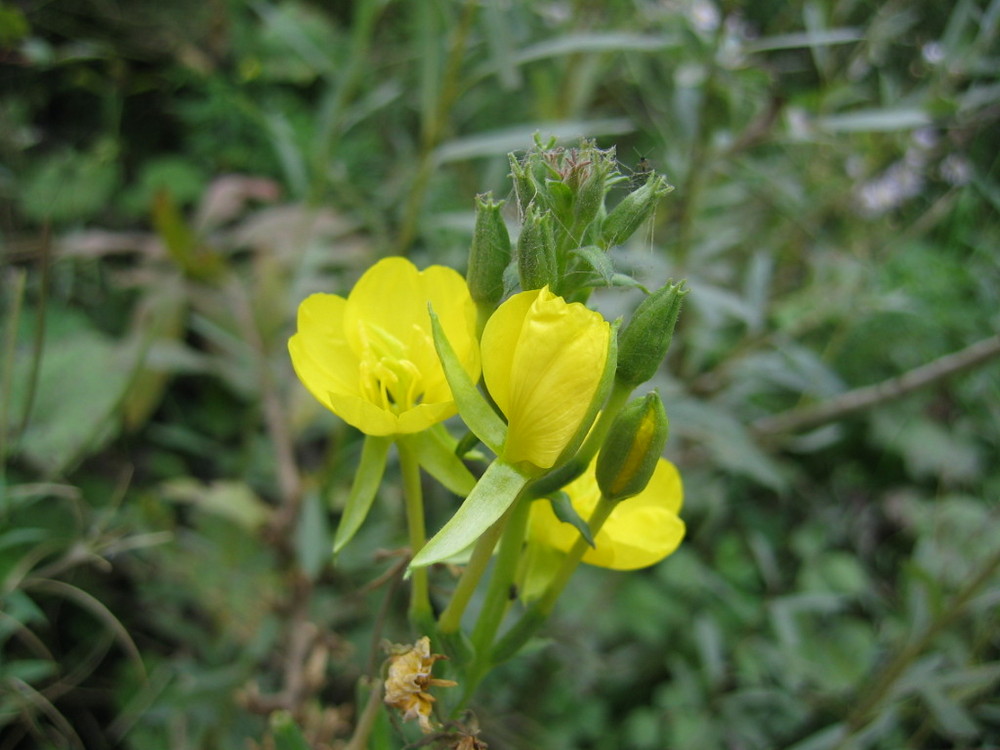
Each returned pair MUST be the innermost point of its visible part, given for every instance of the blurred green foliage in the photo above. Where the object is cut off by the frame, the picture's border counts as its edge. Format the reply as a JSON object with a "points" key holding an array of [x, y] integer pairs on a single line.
{"points": [[175, 177]]}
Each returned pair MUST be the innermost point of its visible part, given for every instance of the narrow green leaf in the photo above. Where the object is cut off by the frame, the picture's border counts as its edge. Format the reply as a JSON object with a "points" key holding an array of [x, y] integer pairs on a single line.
{"points": [[472, 405], [435, 451], [495, 492], [366, 482], [566, 513]]}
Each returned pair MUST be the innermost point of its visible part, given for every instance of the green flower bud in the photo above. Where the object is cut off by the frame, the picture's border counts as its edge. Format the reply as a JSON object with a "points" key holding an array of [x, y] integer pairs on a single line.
{"points": [[489, 254], [643, 342], [632, 448], [536, 251], [524, 184], [633, 210]]}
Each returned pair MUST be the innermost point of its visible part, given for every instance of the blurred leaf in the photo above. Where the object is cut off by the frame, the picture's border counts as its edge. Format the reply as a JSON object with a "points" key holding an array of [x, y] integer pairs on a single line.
{"points": [[312, 536], [71, 185], [875, 120], [229, 499], [81, 382], [728, 441], [287, 735]]}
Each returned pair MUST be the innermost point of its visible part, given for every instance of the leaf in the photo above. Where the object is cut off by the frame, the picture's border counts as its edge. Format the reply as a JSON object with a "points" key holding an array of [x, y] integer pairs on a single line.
{"points": [[493, 494], [728, 441], [287, 735], [598, 261], [472, 405], [366, 483], [435, 450], [229, 499], [312, 536], [875, 120], [565, 512], [81, 380]]}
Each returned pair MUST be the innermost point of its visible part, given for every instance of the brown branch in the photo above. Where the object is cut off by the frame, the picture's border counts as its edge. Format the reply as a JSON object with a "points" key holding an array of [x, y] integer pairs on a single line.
{"points": [[860, 399]]}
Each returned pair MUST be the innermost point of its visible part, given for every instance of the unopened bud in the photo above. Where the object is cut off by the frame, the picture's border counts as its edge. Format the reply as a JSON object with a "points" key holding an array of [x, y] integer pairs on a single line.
{"points": [[536, 251], [632, 448], [524, 185], [489, 254], [643, 342], [633, 210]]}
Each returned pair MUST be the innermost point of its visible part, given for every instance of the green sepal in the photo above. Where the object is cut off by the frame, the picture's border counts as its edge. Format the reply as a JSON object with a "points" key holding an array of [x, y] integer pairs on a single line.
{"points": [[366, 482], [645, 339], [537, 265], [494, 493], [435, 452], [472, 405], [599, 262], [565, 512], [489, 254], [633, 210]]}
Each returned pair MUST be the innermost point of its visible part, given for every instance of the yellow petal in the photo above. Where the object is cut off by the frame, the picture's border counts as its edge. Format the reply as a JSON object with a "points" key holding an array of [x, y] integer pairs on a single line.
{"points": [[640, 531], [543, 359], [371, 358], [320, 354], [499, 344]]}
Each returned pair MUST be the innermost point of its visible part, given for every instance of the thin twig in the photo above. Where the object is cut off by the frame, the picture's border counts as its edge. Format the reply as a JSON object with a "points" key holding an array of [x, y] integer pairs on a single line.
{"points": [[888, 390]]}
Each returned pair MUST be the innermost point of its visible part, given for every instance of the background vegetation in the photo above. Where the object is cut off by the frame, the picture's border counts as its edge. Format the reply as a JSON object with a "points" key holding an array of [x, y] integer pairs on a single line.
{"points": [[176, 177]]}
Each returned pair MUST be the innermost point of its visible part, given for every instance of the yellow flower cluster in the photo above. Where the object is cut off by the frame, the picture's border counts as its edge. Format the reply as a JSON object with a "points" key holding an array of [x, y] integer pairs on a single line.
{"points": [[370, 358]]}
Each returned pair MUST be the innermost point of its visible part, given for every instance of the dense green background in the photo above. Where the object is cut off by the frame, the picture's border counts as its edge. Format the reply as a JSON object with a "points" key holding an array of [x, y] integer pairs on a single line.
{"points": [[176, 177]]}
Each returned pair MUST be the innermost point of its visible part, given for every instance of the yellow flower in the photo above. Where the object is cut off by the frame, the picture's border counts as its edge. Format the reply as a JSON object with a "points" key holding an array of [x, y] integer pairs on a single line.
{"points": [[409, 679], [543, 362], [370, 358], [640, 531]]}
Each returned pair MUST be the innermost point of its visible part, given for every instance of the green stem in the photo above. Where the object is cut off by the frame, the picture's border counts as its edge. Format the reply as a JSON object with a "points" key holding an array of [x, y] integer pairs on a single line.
{"points": [[420, 603], [498, 591], [539, 612], [497, 596], [7, 369], [451, 618]]}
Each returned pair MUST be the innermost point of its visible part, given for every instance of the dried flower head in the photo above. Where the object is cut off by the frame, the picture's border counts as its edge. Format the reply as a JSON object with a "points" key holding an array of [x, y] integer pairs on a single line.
{"points": [[409, 680]]}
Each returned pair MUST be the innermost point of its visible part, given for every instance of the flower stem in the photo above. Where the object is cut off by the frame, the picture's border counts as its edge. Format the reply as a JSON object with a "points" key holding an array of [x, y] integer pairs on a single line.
{"points": [[420, 603], [497, 595], [451, 618], [539, 612]]}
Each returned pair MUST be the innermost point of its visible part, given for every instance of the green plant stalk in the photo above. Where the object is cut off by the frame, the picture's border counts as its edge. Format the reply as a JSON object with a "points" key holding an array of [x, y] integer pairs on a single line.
{"points": [[420, 603], [497, 595], [359, 740], [39, 341], [897, 667], [539, 612], [7, 374], [451, 618]]}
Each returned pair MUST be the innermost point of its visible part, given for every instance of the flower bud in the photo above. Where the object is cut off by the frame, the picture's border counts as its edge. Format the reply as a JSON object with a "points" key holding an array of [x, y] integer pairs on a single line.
{"points": [[489, 254], [536, 251], [634, 209], [643, 342], [632, 448], [524, 185]]}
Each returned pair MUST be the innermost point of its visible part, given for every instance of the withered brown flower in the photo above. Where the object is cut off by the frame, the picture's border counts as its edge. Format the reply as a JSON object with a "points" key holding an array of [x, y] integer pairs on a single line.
{"points": [[410, 678]]}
